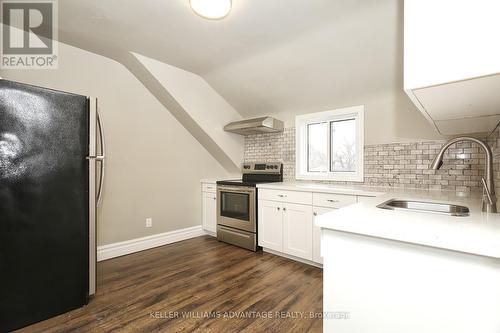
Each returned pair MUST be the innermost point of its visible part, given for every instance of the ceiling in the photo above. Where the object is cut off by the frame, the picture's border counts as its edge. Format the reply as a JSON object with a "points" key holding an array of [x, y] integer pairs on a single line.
{"points": [[267, 56]]}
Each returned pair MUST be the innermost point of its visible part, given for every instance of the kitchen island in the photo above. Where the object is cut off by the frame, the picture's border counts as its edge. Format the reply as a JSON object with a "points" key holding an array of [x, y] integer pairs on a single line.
{"points": [[404, 271]]}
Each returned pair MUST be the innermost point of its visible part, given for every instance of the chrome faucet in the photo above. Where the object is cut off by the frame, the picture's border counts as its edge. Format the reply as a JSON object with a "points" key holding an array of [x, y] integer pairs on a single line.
{"points": [[489, 203]]}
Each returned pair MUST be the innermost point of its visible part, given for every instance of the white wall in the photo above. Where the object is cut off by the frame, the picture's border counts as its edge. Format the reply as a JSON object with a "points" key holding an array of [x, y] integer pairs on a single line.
{"points": [[154, 164], [390, 117]]}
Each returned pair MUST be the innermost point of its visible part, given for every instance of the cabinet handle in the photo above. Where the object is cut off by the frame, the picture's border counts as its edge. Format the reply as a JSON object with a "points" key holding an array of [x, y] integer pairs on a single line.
{"points": [[278, 208], [284, 208], [281, 195], [215, 198], [331, 200], [315, 214]]}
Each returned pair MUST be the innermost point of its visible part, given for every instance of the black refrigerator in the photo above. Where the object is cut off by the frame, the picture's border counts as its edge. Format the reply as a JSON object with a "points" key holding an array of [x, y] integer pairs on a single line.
{"points": [[48, 199]]}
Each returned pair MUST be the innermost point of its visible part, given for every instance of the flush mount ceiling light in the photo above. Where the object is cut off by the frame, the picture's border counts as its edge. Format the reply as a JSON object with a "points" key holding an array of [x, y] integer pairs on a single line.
{"points": [[211, 9]]}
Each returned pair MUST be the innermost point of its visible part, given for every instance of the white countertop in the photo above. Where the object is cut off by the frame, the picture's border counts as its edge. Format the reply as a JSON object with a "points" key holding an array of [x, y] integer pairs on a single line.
{"points": [[478, 233], [326, 188]]}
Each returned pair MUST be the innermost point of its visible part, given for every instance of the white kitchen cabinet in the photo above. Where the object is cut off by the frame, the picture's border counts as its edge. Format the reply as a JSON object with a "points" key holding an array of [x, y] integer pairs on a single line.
{"points": [[208, 187], [316, 240], [297, 230], [333, 200], [286, 220], [209, 211], [452, 63], [286, 228], [270, 225], [298, 197]]}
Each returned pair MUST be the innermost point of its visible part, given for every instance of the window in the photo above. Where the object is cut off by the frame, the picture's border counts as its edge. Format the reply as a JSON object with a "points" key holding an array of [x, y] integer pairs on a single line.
{"points": [[330, 145]]}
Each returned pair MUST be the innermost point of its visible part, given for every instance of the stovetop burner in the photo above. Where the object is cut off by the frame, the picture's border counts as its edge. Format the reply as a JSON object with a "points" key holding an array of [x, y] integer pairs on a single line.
{"points": [[257, 173]]}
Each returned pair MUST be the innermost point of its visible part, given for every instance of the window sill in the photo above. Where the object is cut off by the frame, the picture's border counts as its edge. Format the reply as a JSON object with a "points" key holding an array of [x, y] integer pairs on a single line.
{"points": [[359, 178]]}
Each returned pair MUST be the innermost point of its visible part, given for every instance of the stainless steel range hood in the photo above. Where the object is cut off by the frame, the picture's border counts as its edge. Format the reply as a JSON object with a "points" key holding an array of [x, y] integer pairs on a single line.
{"points": [[255, 126]]}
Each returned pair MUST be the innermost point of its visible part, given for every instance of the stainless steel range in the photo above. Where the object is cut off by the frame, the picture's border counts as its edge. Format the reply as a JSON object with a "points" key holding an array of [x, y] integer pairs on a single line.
{"points": [[237, 204]]}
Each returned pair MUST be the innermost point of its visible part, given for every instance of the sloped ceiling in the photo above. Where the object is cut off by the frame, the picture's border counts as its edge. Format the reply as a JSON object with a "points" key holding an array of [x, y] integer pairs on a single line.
{"points": [[267, 56]]}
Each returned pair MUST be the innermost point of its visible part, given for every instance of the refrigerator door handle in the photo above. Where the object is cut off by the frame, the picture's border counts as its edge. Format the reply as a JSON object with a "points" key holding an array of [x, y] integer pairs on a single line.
{"points": [[101, 158], [96, 157]]}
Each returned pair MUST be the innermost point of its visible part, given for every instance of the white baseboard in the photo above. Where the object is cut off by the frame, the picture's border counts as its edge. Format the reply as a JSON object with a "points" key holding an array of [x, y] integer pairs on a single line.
{"points": [[281, 254], [114, 250]]}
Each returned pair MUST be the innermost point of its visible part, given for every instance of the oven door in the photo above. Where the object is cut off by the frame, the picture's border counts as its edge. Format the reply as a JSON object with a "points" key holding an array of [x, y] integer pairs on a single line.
{"points": [[236, 207]]}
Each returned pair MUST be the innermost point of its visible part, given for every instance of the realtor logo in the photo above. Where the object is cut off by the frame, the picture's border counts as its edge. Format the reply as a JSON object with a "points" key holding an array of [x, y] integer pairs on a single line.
{"points": [[29, 34]]}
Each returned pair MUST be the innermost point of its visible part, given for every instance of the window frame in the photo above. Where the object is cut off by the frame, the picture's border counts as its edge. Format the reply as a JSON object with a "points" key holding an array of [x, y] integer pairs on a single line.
{"points": [[302, 148]]}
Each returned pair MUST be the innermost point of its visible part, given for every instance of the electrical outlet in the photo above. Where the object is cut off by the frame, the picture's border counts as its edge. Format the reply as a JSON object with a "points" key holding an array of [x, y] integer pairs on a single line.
{"points": [[149, 222]]}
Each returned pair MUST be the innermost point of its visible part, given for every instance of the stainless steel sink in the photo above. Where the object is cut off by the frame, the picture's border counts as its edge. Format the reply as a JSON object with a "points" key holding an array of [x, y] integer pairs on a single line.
{"points": [[425, 207]]}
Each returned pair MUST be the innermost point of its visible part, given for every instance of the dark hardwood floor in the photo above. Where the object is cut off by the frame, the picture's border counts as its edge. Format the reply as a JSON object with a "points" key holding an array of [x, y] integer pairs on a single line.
{"points": [[223, 289]]}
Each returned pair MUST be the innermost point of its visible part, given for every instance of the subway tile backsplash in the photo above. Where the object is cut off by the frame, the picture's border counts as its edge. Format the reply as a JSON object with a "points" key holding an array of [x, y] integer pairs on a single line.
{"points": [[394, 165]]}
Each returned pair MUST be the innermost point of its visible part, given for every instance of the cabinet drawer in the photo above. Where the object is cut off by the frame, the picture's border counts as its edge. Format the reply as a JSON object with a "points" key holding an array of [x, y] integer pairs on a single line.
{"points": [[333, 200], [304, 198], [208, 187]]}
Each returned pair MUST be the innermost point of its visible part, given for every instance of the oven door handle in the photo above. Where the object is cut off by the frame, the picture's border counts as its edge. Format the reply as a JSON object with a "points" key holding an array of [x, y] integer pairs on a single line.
{"points": [[236, 189]]}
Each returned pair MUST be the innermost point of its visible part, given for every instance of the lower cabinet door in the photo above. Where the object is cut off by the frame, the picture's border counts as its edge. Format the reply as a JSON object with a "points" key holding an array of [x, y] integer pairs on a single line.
{"points": [[297, 230], [317, 211], [270, 225], [209, 212]]}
